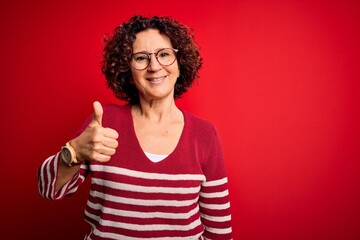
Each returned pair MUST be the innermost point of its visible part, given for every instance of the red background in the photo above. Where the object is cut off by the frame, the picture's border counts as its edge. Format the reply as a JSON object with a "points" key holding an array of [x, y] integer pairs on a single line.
{"points": [[280, 81]]}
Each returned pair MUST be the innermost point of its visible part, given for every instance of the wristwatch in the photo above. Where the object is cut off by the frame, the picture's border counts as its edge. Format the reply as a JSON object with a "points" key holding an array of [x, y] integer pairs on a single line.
{"points": [[68, 155]]}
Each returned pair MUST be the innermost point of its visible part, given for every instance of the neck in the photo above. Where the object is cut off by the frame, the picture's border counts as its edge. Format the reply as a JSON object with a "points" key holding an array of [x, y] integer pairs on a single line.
{"points": [[157, 111]]}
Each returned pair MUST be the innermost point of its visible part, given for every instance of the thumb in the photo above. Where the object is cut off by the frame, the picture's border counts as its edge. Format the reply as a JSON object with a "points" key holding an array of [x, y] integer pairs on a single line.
{"points": [[98, 113]]}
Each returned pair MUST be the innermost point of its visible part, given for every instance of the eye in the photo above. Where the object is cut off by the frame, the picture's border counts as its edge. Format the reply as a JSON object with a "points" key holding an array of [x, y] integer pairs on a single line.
{"points": [[164, 54], [140, 57]]}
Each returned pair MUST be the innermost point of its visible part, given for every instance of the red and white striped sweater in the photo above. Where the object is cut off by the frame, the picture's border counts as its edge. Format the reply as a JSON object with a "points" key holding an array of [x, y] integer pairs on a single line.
{"points": [[184, 196]]}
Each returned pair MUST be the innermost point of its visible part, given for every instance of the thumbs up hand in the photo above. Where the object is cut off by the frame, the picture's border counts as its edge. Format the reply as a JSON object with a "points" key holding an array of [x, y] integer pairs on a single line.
{"points": [[96, 143]]}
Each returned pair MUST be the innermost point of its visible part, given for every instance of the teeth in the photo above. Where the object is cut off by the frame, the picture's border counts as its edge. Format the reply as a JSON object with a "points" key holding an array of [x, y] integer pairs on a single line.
{"points": [[156, 79]]}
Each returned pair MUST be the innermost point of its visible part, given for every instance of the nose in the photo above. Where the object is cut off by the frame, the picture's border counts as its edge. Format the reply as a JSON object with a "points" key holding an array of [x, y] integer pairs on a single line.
{"points": [[154, 65]]}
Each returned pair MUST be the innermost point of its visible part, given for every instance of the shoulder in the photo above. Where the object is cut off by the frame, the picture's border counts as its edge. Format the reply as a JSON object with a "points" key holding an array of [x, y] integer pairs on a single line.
{"points": [[198, 124], [114, 113], [116, 109]]}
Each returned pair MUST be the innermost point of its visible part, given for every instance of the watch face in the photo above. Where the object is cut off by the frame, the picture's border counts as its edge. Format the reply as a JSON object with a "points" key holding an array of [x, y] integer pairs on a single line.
{"points": [[66, 155]]}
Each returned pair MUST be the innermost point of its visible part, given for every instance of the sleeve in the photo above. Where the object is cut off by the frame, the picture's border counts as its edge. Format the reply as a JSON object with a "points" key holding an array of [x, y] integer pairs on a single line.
{"points": [[47, 176], [214, 195], [47, 173]]}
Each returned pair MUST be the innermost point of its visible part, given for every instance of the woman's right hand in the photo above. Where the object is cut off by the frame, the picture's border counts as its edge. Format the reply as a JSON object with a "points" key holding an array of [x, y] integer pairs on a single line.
{"points": [[96, 143]]}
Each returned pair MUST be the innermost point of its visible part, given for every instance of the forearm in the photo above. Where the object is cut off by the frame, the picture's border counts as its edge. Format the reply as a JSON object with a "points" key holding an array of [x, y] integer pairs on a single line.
{"points": [[64, 174], [55, 179]]}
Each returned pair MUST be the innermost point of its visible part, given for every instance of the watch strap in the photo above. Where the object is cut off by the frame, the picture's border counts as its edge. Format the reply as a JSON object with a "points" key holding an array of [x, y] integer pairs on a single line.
{"points": [[72, 161]]}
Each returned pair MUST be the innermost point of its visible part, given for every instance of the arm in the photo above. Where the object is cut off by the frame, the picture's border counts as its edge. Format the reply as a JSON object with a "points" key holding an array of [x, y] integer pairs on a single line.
{"points": [[48, 177], [95, 143], [214, 195], [65, 172]]}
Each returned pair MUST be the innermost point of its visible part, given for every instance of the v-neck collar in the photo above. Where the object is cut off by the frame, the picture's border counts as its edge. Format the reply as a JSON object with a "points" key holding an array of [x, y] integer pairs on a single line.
{"points": [[139, 148]]}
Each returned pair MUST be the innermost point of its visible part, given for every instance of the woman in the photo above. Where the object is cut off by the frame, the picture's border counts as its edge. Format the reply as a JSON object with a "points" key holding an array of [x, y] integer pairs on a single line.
{"points": [[156, 171]]}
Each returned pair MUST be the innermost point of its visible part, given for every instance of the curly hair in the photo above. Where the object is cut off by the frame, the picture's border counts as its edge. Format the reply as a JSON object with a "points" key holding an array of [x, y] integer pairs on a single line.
{"points": [[118, 51]]}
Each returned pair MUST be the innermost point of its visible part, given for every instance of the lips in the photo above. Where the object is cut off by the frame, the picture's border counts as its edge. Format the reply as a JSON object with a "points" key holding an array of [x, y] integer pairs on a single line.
{"points": [[156, 79]]}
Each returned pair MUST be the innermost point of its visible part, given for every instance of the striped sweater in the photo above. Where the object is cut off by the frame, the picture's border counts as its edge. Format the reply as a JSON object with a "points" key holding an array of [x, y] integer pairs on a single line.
{"points": [[184, 196]]}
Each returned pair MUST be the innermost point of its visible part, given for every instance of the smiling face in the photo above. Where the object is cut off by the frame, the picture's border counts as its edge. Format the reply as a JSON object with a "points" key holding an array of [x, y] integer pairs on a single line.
{"points": [[156, 82]]}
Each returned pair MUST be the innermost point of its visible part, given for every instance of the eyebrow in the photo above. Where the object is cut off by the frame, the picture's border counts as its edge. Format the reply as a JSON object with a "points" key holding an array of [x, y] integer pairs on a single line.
{"points": [[156, 50]]}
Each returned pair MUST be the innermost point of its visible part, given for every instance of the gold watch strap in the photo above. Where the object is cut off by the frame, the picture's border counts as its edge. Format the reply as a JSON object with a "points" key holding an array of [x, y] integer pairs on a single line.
{"points": [[73, 160], [73, 153]]}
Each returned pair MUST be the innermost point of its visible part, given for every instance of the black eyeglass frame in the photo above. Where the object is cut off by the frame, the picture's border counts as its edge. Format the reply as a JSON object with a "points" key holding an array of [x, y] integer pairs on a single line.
{"points": [[149, 58]]}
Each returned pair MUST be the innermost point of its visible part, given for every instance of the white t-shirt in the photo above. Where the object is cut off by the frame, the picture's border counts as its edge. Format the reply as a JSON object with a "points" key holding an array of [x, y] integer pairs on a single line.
{"points": [[155, 157]]}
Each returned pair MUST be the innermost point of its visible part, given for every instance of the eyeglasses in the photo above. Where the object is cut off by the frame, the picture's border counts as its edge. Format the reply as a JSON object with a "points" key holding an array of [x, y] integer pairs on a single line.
{"points": [[165, 56]]}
